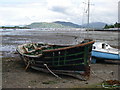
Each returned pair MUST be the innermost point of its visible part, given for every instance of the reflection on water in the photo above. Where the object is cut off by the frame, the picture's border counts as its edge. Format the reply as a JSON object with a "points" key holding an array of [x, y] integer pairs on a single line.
{"points": [[8, 48]]}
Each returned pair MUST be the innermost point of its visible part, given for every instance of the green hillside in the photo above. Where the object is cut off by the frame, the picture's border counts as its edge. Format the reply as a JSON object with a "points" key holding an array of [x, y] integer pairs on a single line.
{"points": [[46, 25]]}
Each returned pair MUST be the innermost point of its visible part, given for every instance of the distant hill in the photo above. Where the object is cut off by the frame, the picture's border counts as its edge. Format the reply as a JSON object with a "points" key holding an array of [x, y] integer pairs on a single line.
{"points": [[62, 24], [95, 25], [68, 24], [47, 25]]}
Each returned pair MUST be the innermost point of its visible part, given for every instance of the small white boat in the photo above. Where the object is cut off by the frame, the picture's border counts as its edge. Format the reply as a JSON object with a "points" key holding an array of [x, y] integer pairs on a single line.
{"points": [[104, 51]]}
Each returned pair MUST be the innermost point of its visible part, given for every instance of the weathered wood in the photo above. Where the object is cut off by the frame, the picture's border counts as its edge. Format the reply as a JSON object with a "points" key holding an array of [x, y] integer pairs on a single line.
{"points": [[59, 58], [65, 48]]}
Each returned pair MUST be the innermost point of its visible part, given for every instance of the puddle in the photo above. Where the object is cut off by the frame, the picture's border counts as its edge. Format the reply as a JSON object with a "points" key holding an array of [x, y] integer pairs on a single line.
{"points": [[8, 48]]}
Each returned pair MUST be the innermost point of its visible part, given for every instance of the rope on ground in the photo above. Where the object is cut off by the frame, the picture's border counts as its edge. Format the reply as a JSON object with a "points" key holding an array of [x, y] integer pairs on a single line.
{"points": [[96, 75], [51, 71], [27, 66]]}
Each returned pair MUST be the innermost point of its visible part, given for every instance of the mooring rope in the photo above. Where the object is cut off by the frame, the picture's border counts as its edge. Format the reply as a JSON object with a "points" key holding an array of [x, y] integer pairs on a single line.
{"points": [[51, 71], [27, 65], [96, 75]]}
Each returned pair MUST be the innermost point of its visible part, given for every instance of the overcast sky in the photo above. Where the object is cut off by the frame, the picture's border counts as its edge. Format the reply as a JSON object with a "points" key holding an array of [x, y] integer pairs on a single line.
{"points": [[21, 12]]}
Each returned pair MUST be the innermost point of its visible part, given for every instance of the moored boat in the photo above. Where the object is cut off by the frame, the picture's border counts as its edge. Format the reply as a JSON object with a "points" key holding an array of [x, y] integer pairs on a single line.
{"points": [[102, 50], [70, 60]]}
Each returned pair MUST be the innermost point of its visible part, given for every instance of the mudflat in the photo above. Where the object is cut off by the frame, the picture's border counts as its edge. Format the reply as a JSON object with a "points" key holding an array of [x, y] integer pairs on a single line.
{"points": [[13, 68]]}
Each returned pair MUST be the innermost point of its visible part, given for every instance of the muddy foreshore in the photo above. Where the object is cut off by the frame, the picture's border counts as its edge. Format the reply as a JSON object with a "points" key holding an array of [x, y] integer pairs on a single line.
{"points": [[14, 75]]}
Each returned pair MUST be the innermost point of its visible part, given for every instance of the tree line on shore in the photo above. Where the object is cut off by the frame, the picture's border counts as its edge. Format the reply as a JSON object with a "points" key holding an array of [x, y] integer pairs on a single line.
{"points": [[13, 27], [116, 25]]}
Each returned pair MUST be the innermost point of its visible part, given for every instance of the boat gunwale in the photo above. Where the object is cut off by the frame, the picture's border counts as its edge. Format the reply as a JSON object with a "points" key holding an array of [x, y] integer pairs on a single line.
{"points": [[35, 56], [70, 47], [106, 52], [52, 50], [117, 55]]}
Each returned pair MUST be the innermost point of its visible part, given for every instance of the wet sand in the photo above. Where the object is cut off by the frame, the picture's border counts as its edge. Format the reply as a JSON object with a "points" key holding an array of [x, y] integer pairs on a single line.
{"points": [[14, 75]]}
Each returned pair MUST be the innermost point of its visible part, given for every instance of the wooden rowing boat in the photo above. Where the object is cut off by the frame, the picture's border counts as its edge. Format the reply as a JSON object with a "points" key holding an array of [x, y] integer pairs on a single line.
{"points": [[71, 60]]}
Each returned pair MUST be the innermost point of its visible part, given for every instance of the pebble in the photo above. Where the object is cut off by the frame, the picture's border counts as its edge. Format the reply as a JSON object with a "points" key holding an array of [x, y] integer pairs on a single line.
{"points": [[9, 60], [86, 83], [15, 52], [29, 86]]}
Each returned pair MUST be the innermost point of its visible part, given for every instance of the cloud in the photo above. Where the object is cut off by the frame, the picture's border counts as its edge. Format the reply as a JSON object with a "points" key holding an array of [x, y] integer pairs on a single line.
{"points": [[59, 9], [105, 11], [27, 11]]}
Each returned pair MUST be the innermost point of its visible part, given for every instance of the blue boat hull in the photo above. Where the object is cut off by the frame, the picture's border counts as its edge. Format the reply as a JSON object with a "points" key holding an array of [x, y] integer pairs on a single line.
{"points": [[104, 55]]}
